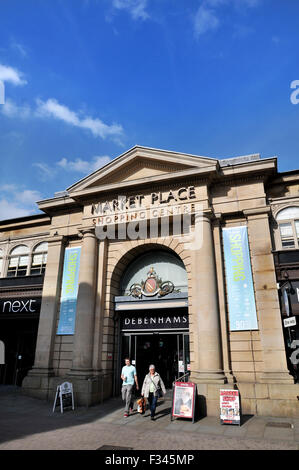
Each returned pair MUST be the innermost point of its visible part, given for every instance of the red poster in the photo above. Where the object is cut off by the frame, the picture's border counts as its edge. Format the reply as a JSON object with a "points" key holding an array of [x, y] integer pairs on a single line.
{"points": [[229, 407], [183, 400]]}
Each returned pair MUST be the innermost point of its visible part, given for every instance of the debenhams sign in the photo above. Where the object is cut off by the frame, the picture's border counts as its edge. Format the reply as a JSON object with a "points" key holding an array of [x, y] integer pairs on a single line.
{"points": [[155, 322]]}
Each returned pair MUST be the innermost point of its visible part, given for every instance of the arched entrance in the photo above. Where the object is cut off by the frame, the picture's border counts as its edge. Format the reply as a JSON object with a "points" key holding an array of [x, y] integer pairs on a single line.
{"points": [[152, 311]]}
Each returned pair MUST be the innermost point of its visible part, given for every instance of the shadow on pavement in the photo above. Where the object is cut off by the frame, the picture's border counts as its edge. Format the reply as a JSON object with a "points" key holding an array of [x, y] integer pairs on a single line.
{"points": [[23, 416]]}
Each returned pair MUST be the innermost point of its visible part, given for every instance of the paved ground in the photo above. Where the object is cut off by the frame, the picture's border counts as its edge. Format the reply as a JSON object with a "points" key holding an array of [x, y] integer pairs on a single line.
{"points": [[28, 423]]}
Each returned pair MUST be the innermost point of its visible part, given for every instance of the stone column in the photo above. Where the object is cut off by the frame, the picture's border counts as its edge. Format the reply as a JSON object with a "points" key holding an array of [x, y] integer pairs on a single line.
{"points": [[100, 305], [222, 300], [266, 296], [84, 329], [36, 382], [208, 357]]}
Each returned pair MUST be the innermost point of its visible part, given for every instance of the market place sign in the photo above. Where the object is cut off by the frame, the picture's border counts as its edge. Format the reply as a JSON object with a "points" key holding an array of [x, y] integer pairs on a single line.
{"points": [[132, 208]]}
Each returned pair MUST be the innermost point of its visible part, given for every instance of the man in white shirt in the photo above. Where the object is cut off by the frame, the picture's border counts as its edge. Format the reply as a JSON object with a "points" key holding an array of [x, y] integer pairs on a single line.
{"points": [[128, 376]]}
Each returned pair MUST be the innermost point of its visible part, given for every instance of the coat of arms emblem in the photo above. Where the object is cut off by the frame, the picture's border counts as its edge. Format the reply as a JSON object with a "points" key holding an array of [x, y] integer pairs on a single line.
{"points": [[152, 286]]}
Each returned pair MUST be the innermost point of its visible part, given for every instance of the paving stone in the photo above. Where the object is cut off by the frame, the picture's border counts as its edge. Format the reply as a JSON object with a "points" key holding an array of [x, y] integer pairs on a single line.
{"points": [[279, 433], [235, 431], [28, 423]]}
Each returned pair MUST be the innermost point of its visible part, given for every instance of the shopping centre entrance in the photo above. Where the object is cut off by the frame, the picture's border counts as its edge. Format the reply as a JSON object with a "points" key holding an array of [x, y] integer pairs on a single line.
{"points": [[153, 316], [169, 352]]}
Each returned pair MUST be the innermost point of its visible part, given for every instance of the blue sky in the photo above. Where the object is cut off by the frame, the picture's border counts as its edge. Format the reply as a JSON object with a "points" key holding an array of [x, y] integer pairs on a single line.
{"points": [[85, 80]]}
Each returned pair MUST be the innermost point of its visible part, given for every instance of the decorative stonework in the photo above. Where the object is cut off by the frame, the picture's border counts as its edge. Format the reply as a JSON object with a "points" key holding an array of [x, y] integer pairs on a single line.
{"points": [[152, 286]]}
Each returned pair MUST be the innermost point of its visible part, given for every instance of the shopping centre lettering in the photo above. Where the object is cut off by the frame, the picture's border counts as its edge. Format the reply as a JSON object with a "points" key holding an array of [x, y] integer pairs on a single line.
{"points": [[135, 202], [133, 208]]}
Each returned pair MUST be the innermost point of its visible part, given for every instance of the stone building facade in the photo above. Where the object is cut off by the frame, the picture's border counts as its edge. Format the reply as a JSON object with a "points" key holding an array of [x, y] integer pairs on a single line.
{"points": [[167, 289]]}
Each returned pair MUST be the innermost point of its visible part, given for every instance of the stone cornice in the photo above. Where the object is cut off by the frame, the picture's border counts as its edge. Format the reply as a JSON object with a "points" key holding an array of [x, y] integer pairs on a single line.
{"points": [[147, 153], [204, 172], [257, 211]]}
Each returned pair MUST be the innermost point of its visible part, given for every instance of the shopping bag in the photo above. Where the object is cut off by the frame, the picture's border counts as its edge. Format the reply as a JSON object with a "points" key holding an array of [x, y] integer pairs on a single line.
{"points": [[141, 405]]}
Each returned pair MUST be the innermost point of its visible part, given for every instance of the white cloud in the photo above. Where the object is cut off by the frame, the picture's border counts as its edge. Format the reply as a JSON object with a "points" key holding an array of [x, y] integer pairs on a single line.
{"points": [[16, 203], [51, 108], [136, 8], [28, 196], [17, 46], [45, 172], [77, 165], [11, 109], [207, 16], [83, 166], [205, 20], [8, 187], [10, 210], [11, 75]]}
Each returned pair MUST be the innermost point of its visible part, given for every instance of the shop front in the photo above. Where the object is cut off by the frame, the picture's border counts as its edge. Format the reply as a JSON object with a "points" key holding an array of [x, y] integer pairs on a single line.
{"points": [[287, 272], [167, 258], [20, 302]]}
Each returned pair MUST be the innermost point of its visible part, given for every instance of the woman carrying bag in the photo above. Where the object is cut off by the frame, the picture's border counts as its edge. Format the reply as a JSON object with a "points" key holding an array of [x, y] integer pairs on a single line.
{"points": [[153, 388]]}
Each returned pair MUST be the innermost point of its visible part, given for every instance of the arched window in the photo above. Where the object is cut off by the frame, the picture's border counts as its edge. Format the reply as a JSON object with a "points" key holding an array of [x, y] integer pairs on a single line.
{"points": [[18, 261], [39, 258], [288, 222], [167, 266], [1, 261]]}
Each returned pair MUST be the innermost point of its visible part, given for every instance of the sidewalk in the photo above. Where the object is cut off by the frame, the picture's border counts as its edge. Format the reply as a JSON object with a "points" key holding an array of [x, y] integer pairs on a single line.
{"points": [[28, 423]]}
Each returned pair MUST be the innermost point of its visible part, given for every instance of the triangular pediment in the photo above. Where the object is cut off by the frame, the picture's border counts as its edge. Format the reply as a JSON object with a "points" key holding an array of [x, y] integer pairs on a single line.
{"points": [[140, 164]]}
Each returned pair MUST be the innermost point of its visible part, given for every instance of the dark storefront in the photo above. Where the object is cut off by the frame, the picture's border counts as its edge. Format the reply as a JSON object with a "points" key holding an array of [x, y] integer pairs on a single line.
{"points": [[287, 272], [20, 303]]}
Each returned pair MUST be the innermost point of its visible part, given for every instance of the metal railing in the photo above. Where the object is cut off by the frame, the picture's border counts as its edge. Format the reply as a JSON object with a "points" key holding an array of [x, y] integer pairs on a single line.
{"points": [[179, 379]]}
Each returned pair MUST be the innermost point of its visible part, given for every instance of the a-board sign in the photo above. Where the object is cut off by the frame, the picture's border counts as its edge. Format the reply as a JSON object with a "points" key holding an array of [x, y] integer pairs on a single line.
{"points": [[229, 407], [64, 397], [291, 321], [183, 402]]}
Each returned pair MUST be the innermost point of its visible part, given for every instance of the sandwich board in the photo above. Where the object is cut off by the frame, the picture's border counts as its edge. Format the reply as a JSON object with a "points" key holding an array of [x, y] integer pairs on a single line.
{"points": [[183, 400], [230, 407], [64, 396]]}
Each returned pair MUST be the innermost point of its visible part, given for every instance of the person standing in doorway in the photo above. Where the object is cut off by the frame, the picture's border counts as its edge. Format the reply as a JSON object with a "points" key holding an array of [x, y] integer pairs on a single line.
{"points": [[128, 376], [152, 388]]}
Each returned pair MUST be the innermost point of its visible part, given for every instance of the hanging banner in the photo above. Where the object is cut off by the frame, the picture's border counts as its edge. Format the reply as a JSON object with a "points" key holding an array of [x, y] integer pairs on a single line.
{"points": [[241, 301], [69, 291], [230, 407]]}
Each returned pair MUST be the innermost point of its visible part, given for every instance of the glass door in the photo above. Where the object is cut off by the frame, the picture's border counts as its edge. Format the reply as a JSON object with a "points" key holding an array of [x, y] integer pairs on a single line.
{"points": [[169, 352], [183, 355]]}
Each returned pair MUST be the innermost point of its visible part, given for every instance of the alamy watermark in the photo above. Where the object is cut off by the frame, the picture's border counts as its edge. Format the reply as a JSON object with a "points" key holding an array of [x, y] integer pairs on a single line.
{"points": [[295, 94], [2, 92], [122, 220]]}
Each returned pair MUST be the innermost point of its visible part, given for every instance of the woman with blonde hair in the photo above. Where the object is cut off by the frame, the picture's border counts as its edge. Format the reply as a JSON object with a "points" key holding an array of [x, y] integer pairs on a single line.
{"points": [[153, 388]]}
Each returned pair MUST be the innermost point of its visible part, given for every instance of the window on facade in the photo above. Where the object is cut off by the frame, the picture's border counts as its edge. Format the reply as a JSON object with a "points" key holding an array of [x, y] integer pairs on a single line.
{"points": [[288, 222], [39, 259], [18, 261]]}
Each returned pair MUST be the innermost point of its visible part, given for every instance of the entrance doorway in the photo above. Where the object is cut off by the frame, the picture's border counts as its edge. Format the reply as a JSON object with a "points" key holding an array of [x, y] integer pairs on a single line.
{"points": [[169, 352], [19, 337]]}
